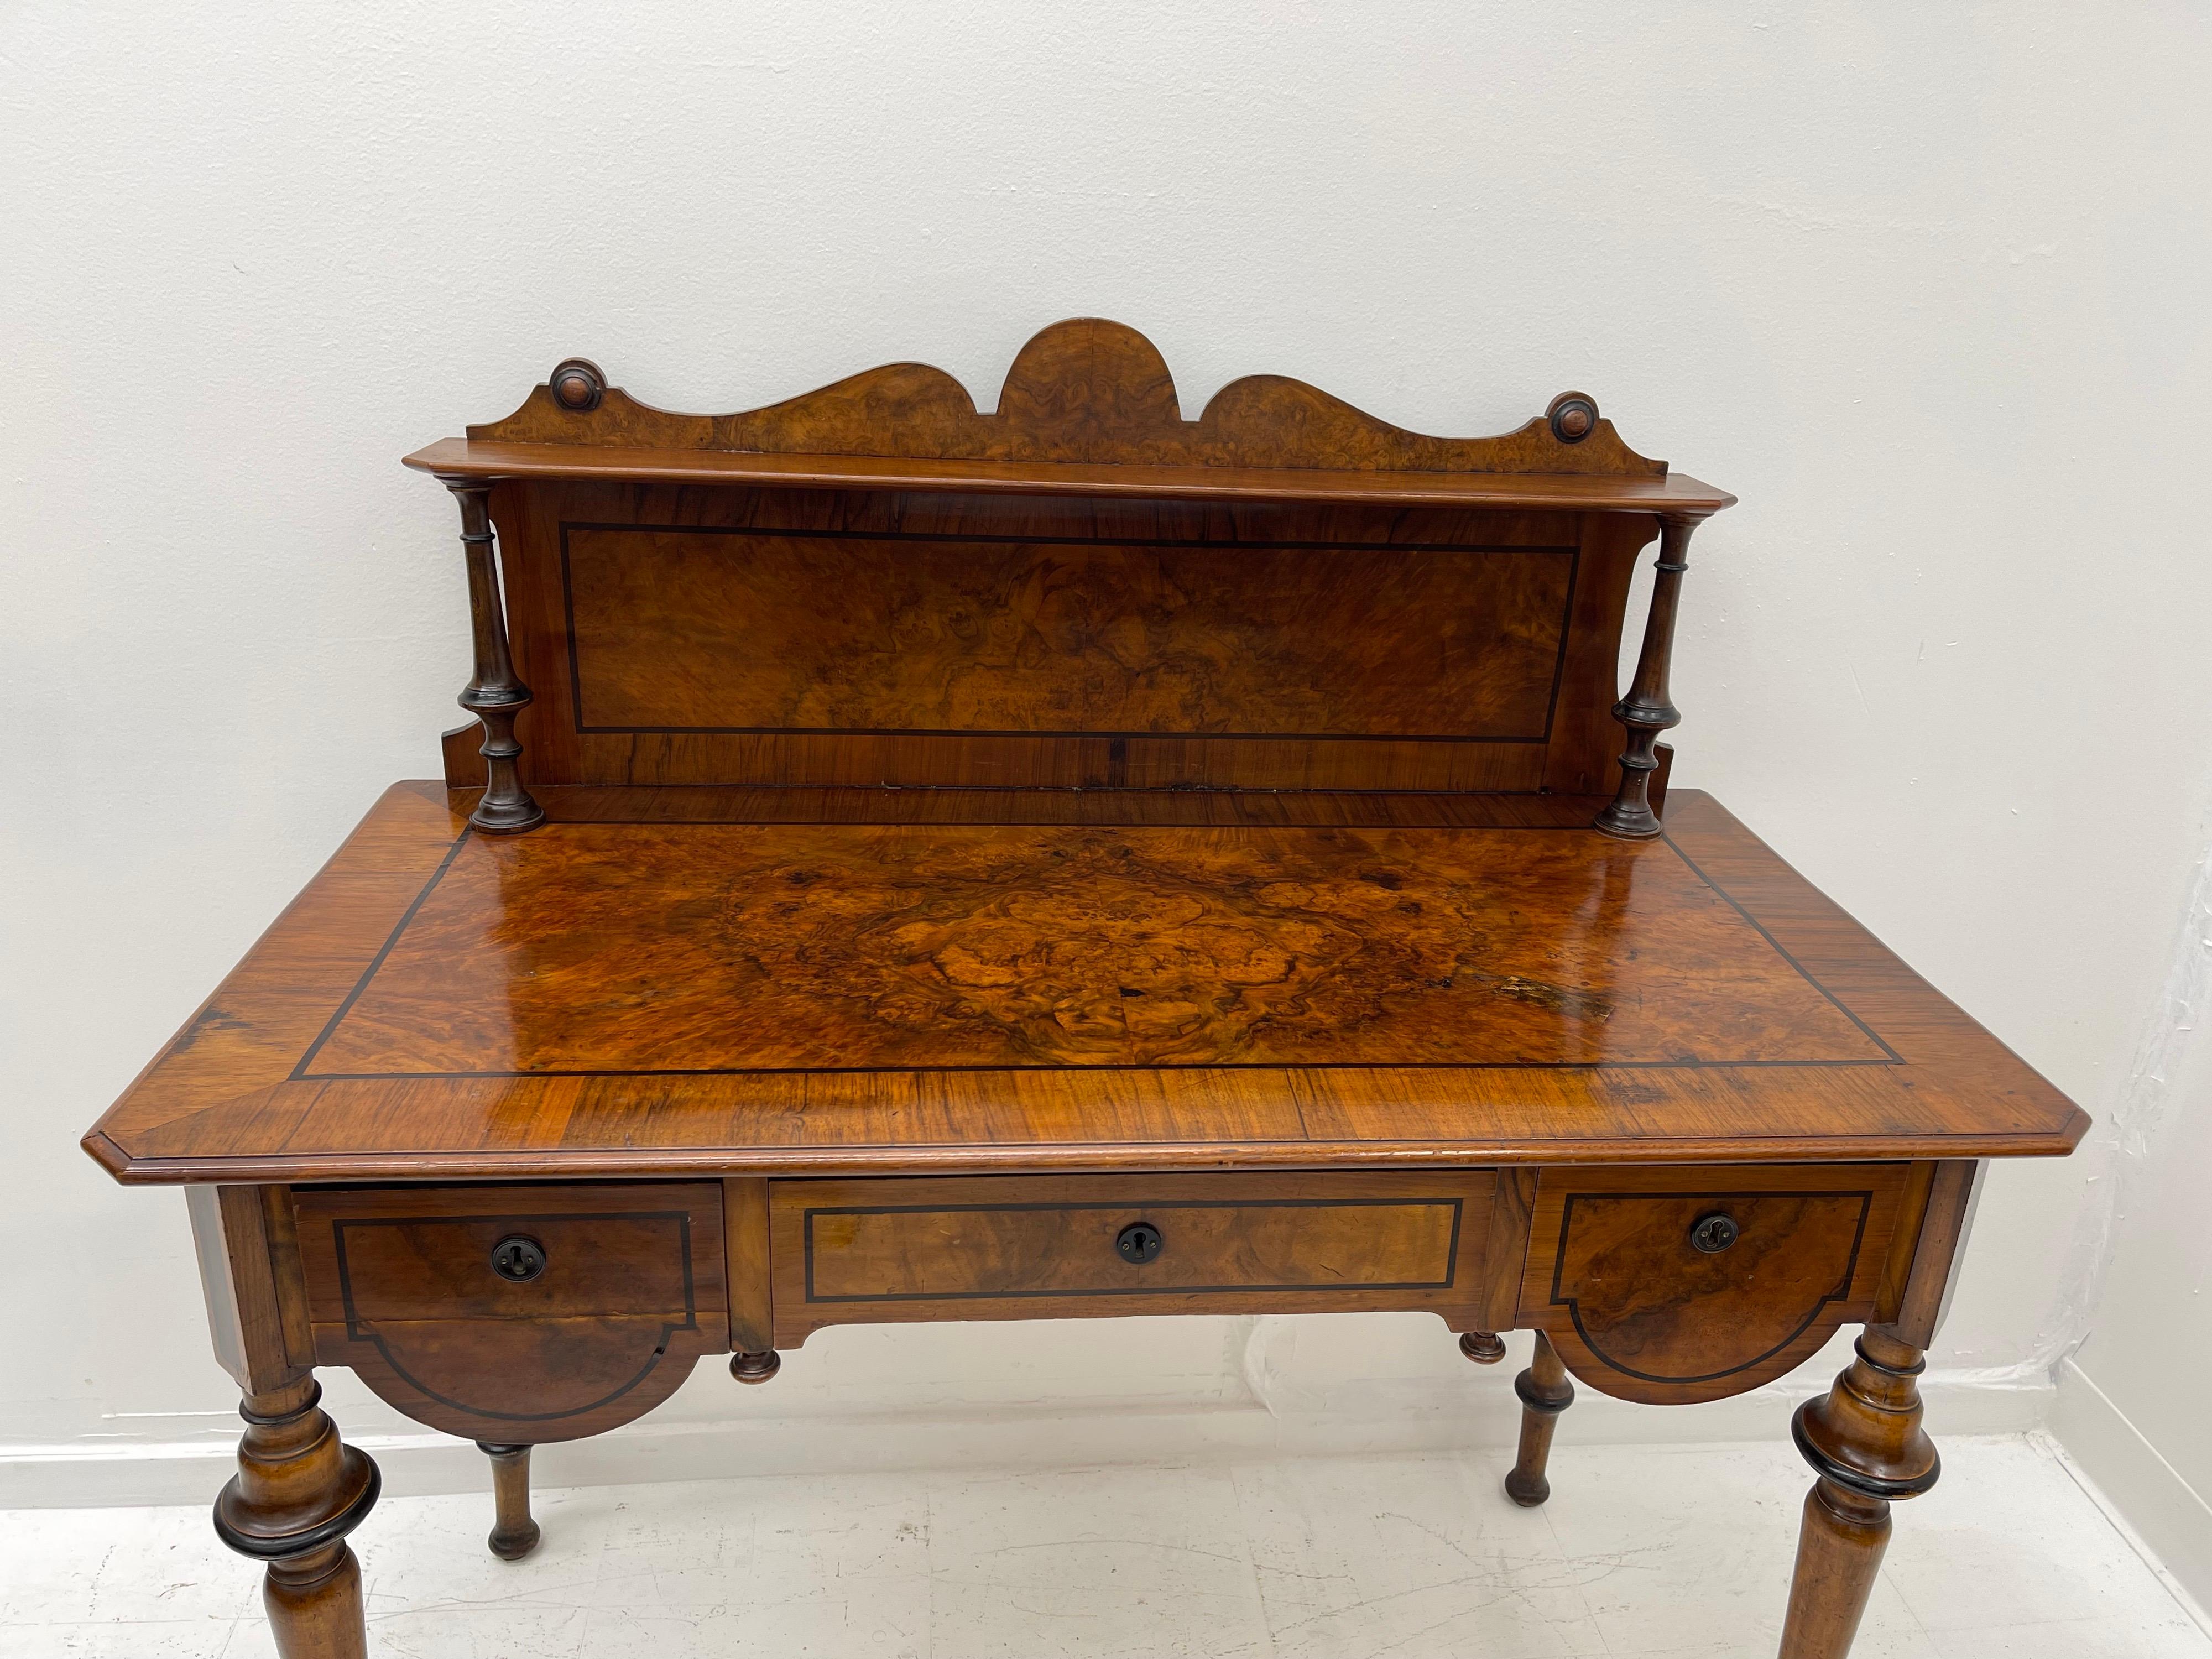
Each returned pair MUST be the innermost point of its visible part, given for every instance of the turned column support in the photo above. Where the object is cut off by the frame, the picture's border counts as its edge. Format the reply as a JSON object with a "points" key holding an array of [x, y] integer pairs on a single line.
{"points": [[513, 1533], [1865, 1444], [299, 1491], [1545, 1393], [494, 694], [1648, 709]]}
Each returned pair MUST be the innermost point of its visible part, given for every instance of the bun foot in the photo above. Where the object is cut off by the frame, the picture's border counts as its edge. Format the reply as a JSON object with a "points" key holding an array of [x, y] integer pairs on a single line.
{"points": [[1526, 1490], [1484, 1347], [756, 1367]]}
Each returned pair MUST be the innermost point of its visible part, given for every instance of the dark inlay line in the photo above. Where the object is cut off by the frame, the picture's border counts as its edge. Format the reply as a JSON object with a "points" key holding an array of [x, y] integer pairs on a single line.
{"points": [[1270, 545], [1840, 1006], [554, 818], [1292, 1066], [300, 1073], [1103, 733], [1262, 1289], [358, 1329], [1840, 1293], [1890, 1056], [1451, 1251]]}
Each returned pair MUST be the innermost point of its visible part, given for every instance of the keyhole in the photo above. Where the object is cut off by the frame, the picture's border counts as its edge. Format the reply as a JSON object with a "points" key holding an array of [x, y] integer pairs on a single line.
{"points": [[1140, 1241], [518, 1260], [1714, 1233]]}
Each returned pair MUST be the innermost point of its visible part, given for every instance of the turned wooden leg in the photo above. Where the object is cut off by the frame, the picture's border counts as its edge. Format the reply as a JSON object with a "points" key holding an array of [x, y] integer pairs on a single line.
{"points": [[1545, 1393], [299, 1491], [514, 1533], [1864, 1442], [756, 1367]]}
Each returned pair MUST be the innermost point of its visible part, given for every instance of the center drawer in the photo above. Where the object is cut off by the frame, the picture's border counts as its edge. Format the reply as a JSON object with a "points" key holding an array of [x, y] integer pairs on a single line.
{"points": [[1039, 1247]]}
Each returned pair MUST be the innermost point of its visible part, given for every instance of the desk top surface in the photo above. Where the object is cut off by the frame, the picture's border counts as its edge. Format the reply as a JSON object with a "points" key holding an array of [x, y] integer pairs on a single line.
{"points": [[701, 980]]}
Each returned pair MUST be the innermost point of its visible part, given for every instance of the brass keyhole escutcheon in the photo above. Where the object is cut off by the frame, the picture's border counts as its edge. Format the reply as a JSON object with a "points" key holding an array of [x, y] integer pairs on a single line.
{"points": [[518, 1260], [1138, 1242]]}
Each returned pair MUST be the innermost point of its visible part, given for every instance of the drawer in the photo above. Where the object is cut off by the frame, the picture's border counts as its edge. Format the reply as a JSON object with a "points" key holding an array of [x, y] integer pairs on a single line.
{"points": [[1056, 1247], [1697, 1283], [516, 1314]]}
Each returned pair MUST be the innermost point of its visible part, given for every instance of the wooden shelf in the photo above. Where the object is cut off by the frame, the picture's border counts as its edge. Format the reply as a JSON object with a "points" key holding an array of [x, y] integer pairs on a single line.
{"points": [[809, 980], [1563, 492]]}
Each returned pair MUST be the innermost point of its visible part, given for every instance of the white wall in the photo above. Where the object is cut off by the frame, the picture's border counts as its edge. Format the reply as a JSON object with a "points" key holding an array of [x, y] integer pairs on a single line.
{"points": [[2131, 1400], [1923, 284]]}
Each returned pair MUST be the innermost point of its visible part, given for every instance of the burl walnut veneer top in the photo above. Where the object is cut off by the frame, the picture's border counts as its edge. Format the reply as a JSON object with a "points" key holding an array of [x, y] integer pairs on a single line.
{"points": [[704, 979]]}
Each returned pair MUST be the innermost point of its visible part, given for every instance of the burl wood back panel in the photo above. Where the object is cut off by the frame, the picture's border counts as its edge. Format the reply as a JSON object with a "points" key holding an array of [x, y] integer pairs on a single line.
{"points": [[806, 637], [707, 635]]}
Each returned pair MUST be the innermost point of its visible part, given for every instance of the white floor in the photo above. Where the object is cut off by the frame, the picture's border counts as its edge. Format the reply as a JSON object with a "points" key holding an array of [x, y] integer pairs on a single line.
{"points": [[1644, 1551]]}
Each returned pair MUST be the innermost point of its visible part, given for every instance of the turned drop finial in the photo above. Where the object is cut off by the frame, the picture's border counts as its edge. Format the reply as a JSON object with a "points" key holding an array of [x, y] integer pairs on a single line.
{"points": [[756, 1367], [1484, 1347]]}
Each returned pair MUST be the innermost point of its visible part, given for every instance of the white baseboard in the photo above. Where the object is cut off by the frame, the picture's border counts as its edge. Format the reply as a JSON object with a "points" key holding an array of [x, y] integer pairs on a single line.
{"points": [[1478, 1413], [2169, 1520]]}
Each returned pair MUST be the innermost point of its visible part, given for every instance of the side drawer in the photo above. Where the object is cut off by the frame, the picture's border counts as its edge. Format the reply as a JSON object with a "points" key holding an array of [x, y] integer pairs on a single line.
{"points": [[516, 1314], [1049, 1247], [1644, 1304]]}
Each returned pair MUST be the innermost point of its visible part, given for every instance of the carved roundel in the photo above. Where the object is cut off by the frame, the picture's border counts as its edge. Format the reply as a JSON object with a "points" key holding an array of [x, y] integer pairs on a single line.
{"points": [[1573, 417], [577, 385]]}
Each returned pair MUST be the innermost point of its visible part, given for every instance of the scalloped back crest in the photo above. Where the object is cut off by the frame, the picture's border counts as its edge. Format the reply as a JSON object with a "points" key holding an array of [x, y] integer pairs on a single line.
{"points": [[1083, 391]]}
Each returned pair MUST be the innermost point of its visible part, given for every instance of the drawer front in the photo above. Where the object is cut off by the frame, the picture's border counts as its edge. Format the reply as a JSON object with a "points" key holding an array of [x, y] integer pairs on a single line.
{"points": [[1047, 1247], [1697, 1283], [516, 1314]]}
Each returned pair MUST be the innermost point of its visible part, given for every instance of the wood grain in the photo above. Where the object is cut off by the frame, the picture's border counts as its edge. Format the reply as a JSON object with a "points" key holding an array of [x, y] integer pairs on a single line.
{"points": [[222, 1104], [713, 637], [1227, 485], [729, 947], [1043, 1247], [251, 1275], [1865, 1443], [1082, 391], [700, 631], [1506, 1253], [299, 1491], [1637, 1311], [1921, 1291], [1545, 1393], [401, 1288], [744, 1228], [513, 1533]]}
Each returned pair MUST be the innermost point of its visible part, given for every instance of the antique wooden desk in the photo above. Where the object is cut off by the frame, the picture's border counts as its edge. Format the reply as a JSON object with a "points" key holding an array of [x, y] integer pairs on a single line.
{"points": [[917, 864]]}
